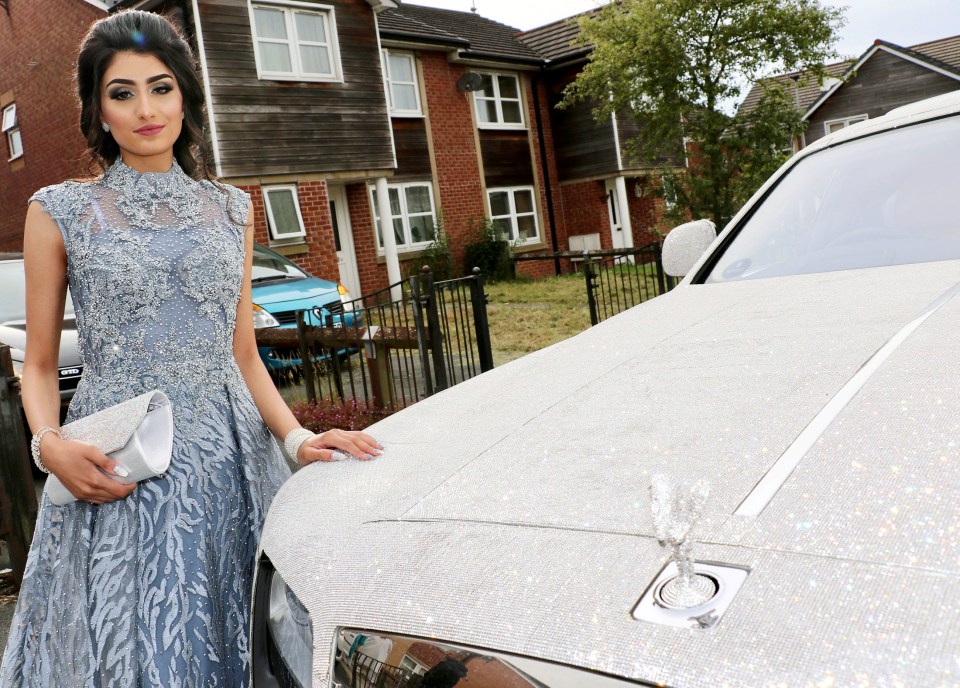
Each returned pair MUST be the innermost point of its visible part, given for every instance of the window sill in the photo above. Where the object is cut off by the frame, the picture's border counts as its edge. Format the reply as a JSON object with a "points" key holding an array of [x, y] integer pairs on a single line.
{"points": [[502, 127], [407, 115], [289, 248], [301, 79], [530, 246]]}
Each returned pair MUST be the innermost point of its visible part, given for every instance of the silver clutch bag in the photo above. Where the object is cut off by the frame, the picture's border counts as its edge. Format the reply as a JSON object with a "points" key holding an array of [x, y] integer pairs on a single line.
{"points": [[137, 434]]}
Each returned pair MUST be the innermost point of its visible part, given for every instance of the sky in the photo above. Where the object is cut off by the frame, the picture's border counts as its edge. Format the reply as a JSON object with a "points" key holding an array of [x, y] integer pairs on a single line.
{"points": [[904, 22]]}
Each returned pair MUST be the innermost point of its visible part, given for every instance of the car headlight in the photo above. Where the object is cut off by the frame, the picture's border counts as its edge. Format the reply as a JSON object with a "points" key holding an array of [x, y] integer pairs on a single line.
{"points": [[345, 298], [262, 318], [282, 636]]}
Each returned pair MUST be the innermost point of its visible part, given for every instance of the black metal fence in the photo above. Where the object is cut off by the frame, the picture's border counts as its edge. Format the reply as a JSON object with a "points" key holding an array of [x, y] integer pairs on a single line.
{"points": [[366, 672], [618, 279], [392, 347]]}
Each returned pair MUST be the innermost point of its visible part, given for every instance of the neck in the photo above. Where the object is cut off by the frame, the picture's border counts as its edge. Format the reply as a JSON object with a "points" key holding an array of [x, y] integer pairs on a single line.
{"points": [[153, 163]]}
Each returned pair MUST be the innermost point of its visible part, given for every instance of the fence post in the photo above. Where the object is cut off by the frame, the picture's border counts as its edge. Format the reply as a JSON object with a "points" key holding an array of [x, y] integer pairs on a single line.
{"points": [[661, 278], [591, 280], [422, 345], [433, 324], [18, 497], [306, 358], [480, 322]]}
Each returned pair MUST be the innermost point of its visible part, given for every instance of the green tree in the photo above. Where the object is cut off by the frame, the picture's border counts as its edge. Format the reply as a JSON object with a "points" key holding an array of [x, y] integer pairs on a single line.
{"points": [[674, 65]]}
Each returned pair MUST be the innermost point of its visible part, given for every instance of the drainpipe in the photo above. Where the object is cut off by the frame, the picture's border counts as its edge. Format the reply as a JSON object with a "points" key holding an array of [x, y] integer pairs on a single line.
{"points": [[551, 214], [389, 240], [623, 199]]}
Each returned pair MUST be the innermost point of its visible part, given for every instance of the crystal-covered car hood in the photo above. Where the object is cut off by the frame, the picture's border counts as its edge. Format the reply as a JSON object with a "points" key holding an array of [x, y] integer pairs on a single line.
{"points": [[511, 512]]}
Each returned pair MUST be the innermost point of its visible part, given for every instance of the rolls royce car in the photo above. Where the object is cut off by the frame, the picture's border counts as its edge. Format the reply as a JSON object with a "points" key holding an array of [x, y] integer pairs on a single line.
{"points": [[795, 405]]}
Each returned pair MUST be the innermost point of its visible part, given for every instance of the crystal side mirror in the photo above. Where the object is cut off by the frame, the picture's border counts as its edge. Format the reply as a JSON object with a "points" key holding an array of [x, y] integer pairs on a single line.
{"points": [[685, 244]]}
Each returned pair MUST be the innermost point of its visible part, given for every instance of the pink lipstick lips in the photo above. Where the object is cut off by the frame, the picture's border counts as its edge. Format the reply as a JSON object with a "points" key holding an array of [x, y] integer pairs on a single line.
{"points": [[149, 129]]}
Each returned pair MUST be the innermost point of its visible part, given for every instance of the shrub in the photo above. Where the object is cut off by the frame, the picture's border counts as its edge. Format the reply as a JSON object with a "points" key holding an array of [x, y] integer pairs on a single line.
{"points": [[490, 252], [324, 415]]}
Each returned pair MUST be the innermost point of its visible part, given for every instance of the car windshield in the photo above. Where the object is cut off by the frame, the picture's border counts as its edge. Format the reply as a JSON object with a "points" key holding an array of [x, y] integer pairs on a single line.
{"points": [[13, 292], [269, 266], [887, 199]]}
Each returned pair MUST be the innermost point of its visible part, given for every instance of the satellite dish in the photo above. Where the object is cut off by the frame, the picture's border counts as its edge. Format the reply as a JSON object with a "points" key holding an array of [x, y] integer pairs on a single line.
{"points": [[470, 81]]}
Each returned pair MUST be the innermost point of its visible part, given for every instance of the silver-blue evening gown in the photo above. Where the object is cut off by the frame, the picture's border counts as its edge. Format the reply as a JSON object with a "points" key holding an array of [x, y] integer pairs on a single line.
{"points": [[154, 589]]}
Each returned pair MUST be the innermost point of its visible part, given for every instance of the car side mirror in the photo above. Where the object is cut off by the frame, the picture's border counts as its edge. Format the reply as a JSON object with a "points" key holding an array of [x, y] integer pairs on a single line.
{"points": [[685, 244]]}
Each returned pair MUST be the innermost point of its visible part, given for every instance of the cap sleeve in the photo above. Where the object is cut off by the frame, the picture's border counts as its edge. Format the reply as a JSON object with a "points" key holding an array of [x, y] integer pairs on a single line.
{"points": [[66, 203], [238, 204]]}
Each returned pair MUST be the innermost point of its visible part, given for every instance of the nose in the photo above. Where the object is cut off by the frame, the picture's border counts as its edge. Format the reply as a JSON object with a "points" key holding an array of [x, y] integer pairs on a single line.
{"points": [[144, 108]]}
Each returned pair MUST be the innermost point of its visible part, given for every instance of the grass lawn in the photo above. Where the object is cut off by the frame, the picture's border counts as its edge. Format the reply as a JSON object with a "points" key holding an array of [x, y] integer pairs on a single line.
{"points": [[527, 315]]}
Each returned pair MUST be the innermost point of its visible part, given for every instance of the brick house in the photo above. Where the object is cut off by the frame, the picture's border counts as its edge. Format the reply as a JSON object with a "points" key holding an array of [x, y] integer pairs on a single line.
{"points": [[333, 114], [884, 77], [40, 143]]}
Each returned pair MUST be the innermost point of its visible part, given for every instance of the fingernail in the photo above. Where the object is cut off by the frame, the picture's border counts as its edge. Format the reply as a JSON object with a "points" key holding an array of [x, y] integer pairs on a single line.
{"points": [[377, 452], [121, 471], [370, 456]]}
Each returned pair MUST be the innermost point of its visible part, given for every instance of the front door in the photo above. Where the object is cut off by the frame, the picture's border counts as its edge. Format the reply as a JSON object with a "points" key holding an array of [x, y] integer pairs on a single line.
{"points": [[343, 236], [613, 209]]}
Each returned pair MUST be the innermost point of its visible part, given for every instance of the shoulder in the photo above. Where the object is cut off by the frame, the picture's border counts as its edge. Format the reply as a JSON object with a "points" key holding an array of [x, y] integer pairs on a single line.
{"points": [[62, 200], [234, 201]]}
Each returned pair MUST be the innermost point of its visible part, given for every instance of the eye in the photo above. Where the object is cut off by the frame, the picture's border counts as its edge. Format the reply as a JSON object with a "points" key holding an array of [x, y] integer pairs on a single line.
{"points": [[162, 88], [120, 94]]}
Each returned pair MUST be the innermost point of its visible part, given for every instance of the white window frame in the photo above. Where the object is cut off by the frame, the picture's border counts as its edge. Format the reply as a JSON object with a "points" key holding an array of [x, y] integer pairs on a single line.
{"points": [[404, 216], [290, 8], [514, 228], [389, 82], [845, 121], [498, 100], [12, 131], [272, 224]]}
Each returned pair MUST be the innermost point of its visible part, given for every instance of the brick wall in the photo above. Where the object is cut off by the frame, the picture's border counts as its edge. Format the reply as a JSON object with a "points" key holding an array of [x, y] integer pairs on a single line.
{"points": [[319, 256], [39, 40]]}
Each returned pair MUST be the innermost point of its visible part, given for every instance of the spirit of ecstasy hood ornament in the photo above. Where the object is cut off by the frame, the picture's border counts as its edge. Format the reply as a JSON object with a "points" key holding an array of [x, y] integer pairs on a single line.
{"points": [[676, 509]]}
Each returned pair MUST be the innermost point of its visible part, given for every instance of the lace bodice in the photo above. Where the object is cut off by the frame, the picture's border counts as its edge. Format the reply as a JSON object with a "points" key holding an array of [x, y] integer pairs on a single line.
{"points": [[155, 263]]}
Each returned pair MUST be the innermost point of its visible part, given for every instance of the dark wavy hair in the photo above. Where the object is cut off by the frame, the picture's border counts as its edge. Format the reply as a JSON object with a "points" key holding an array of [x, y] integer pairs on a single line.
{"points": [[150, 34]]}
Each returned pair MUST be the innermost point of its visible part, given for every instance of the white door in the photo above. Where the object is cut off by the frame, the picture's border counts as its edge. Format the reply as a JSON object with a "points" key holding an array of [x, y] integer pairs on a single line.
{"points": [[613, 209], [343, 236]]}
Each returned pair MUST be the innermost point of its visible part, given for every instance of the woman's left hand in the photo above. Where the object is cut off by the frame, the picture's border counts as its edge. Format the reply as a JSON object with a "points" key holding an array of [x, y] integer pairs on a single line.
{"points": [[321, 447]]}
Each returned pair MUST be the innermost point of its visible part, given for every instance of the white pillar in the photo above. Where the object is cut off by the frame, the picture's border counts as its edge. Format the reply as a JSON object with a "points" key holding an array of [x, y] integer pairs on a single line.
{"points": [[389, 240], [623, 200]]}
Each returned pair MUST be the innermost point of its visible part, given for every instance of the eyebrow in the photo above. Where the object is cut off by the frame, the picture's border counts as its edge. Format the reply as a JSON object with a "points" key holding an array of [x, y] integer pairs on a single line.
{"points": [[128, 82]]}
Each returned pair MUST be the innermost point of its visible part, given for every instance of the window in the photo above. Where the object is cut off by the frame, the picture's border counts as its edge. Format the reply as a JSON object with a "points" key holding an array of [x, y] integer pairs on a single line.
{"points": [[514, 214], [837, 124], [295, 41], [10, 128], [411, 209], [400, 73], [283, 212], [498, 101], [669, 192]]}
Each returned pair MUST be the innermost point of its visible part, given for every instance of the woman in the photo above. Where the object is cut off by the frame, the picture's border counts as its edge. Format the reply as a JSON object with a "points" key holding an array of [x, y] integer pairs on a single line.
{"points": [[149, 584]]}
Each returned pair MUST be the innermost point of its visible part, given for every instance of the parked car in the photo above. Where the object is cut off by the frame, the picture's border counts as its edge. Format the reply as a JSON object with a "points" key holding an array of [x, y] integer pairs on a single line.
{"points": [[807, 367], [13, 327], [280, 289]]}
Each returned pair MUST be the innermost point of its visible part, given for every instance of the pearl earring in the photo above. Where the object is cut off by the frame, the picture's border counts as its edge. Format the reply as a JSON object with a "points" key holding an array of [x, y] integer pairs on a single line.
{"points": [[106, 127]]}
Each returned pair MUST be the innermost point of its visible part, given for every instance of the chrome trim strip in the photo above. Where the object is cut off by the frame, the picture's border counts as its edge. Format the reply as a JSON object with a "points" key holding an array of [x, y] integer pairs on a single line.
{"points": [[758, 498]]}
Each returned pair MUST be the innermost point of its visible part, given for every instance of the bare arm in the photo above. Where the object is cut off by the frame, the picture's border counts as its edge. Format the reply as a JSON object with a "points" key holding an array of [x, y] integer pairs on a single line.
{"points": [[75, 463], [271, 405]]}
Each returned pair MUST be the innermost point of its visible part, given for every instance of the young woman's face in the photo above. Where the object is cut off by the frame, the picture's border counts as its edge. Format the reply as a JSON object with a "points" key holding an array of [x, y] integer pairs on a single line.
{"points": [[142, 103]]}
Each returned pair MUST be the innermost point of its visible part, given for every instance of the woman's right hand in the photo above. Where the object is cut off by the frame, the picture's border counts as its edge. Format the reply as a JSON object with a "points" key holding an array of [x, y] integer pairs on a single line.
{"points": [[78, 466]]}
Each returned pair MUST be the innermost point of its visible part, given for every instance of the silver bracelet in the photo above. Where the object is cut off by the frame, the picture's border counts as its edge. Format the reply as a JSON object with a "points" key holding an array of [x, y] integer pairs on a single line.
{"points": [[294, 440], [35, 446]]}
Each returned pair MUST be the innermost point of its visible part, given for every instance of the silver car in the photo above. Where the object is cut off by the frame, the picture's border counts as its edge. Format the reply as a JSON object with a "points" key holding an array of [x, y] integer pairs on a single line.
{"points": [[807, 368]]}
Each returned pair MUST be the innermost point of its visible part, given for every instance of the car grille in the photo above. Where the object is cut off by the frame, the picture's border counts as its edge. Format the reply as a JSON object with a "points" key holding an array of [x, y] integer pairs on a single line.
{"points": [[70, 377], [290, 317]]}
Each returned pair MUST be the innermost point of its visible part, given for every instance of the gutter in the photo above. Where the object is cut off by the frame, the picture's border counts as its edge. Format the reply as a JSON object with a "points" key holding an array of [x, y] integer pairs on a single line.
{"points": [[541, 140]]}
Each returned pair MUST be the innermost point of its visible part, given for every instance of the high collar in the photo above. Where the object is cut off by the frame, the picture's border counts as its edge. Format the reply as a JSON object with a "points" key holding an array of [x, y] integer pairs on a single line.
{"points": [[153, 199], [122, 177]]}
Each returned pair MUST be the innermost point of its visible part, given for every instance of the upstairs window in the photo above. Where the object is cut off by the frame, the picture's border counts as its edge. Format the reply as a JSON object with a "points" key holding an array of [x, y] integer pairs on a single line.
{"points": [[514, 214], [12, 130], [283, 212], [412, 214], [838, 124], [498, 101], [400, 73], [295, 41]]}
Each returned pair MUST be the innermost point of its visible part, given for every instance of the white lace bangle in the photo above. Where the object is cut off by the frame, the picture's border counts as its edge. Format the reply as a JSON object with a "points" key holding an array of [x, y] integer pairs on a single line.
{"points": [[294, 440], [35, 446]]}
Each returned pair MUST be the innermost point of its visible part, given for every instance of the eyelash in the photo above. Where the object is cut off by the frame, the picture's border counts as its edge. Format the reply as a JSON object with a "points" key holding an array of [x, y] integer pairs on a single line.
{"points": [[123, 93]]}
